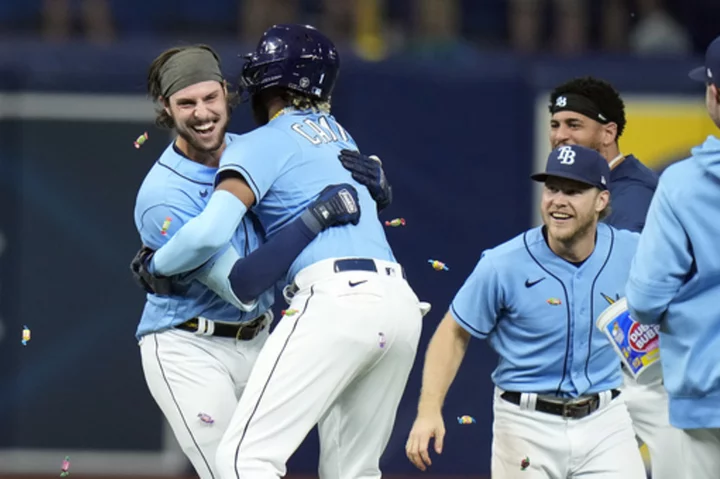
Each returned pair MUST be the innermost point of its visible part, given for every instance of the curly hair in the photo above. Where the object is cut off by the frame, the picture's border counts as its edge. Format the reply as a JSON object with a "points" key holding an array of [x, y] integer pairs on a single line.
{"points": [[600, 92], [154, 89], [299, 100]]}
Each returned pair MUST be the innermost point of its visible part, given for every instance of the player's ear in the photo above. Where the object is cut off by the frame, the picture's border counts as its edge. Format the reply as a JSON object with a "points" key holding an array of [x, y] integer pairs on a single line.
{"points": [[225, 87], [610, 136], [165, 104], [602, 200]]}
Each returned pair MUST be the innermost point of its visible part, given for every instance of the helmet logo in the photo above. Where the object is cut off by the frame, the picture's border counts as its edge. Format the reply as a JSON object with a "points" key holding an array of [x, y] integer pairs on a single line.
{"points": [[304, 82]]}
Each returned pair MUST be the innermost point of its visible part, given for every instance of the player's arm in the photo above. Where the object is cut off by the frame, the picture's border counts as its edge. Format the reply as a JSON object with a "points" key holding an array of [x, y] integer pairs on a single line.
{"points": [[629, 207], [244, 279], [248, 168], [442, 361], [368, 171], [157, 223], [473, 312], [663, 261], [206, 234]]}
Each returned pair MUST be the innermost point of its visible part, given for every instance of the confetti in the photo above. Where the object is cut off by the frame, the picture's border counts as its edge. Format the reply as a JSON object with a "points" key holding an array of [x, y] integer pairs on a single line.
{"points": [[205, 418], [289, 312], [438, 265], [25, 335], [525, 463], [395, 222], [466, 420], [65, 469], [165, 226], [381, 340], [141, 139]]}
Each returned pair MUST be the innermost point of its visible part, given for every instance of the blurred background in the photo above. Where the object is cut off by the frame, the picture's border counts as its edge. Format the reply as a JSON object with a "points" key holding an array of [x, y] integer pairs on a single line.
{"points": [[452, 94]]}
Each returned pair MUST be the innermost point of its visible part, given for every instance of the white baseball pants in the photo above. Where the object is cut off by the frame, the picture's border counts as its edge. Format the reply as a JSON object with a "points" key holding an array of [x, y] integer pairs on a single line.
{"points": [[340, 359]]}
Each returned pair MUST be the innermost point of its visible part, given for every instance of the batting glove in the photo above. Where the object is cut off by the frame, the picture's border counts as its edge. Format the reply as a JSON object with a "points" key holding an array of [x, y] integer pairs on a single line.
{"points": [[337, 205], [368, 171]]}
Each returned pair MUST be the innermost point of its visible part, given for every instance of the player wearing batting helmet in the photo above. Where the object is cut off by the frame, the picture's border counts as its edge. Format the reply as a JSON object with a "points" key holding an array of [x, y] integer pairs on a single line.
{"points": [[356, 322], [197, 347]]}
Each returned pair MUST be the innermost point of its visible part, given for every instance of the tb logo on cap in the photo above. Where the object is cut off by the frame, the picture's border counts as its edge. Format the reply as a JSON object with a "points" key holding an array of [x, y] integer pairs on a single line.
{"points": [[561, 102], [566, 155]]}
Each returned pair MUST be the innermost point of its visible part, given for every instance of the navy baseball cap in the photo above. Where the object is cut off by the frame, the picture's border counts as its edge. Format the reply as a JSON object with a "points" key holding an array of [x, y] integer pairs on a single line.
{"points": [[577, 163], [710, 72]]}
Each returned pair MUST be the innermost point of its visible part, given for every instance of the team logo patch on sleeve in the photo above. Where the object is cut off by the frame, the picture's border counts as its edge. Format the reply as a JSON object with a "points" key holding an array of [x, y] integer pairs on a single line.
{"points": [[554, 302]]}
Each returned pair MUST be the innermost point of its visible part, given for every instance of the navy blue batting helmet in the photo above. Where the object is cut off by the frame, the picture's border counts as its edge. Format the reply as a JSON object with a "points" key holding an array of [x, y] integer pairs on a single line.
{"points": [[297, 57]]}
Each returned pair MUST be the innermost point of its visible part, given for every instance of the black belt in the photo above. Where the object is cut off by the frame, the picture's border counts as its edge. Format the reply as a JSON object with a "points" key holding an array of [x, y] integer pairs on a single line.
{"points": [[576, 409], [241, 331], [360, 264]]}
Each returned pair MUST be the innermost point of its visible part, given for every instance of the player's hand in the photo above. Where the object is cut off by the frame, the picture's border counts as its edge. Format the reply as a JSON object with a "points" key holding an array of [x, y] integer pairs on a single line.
{"points": [[139, 266], [426, 426], [337, 205], [368, 171]]}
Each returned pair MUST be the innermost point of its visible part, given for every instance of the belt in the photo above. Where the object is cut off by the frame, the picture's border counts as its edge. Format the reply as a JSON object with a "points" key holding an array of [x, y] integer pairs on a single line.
{"points": [[240, 331], [359, 264], [345, 265], [575, 409]]}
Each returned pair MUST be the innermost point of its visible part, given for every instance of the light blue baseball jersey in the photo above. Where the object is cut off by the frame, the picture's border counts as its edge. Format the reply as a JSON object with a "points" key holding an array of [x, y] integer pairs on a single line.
{"points": [[175, 190], [538, 312], [287, 163]]}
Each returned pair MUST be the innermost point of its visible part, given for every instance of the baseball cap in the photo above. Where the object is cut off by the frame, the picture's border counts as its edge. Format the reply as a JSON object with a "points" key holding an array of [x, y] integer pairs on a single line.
{"points": [[710, 72], [577, 163]]}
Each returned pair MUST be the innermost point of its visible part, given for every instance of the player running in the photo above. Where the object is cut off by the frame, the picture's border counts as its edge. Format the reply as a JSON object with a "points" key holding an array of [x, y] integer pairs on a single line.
{"points": [[590, 112], [557, 408]]}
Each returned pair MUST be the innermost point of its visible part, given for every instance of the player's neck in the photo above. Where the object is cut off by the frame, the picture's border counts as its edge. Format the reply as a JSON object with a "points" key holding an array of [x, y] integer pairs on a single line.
{"points": [[207, 158], [613, 156], [275, 105], [577, 249]]}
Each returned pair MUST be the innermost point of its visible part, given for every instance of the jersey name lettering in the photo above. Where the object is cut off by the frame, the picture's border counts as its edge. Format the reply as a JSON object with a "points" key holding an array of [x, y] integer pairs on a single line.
{"points": [[321, 131]]}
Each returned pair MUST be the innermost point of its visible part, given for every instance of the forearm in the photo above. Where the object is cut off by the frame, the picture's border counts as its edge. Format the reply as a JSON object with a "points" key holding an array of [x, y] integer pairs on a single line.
{"points": [[646, 304], [257, 272], [442, 361], [200, 238], [216, 277]]}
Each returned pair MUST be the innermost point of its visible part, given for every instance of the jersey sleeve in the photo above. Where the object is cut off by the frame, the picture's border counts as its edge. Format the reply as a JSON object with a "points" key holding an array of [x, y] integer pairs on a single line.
{"points": [[159, 222], [663, 261], [259, 157], [477, 304]]}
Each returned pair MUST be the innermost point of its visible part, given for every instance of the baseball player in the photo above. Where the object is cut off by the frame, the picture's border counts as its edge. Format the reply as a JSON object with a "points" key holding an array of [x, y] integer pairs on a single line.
{"points": [[197, 349], [674, 281], [590, 112], [557, 408], [353, 323]]}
